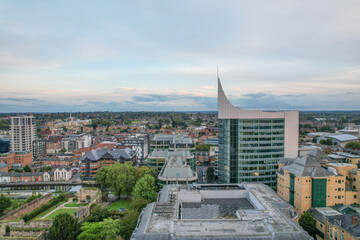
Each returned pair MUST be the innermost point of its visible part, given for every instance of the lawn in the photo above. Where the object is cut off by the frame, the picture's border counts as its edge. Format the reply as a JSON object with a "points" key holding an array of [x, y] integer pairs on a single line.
{"points": [[70, 211], [122, 203], [49, 210], [75, 204]]}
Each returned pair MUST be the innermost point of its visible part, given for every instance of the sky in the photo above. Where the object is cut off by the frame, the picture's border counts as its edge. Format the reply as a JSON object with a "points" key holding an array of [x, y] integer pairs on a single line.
{"points": [[58, 56]]}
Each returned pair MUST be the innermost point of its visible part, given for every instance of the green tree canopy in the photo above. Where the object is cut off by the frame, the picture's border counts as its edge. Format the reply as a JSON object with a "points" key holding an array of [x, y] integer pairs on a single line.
{"points": [[308, 223], [5, 202], [64, 227], [120, 178], [128, 224], [97, 214], [27, 169], [138, 204], [328, 142], [202, 147], [145, 188], [353, 145], [108, 229]]}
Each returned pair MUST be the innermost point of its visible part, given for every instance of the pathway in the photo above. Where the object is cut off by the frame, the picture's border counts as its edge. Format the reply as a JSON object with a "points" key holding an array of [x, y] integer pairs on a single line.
{"points": [[59, 207]]}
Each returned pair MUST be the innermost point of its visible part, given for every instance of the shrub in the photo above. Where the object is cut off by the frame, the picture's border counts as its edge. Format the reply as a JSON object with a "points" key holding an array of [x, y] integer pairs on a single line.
{"points": [[7, 230], [43, 208]]}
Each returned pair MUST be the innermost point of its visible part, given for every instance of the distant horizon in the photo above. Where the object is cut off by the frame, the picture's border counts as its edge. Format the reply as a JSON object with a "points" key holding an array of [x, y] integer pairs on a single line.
{"points": [[158, 56], [303, 111]]}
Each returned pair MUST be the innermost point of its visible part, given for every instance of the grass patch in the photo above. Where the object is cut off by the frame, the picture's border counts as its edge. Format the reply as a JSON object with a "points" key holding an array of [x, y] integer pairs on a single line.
{"points": [[49, 210], [75, 204], [124, 203], [70, 211]]}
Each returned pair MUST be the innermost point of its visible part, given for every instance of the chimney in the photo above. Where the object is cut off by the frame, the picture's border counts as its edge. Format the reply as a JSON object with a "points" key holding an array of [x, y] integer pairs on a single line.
{"points": [[355, 220]]}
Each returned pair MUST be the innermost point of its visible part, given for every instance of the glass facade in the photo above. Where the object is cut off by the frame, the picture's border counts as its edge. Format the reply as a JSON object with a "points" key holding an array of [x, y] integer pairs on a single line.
{"points": [[249, 150]]}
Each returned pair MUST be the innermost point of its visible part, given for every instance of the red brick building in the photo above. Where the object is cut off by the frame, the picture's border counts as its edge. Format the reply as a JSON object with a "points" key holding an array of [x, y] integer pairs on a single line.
{"points": [[11, 158]]}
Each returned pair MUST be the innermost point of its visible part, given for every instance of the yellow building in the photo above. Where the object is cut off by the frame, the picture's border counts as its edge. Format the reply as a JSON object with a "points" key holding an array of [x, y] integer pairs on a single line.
{"points": [[340, 223], [311, 181]]}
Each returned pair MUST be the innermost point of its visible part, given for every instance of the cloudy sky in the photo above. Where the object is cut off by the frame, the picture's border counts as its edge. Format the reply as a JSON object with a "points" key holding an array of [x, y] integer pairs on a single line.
{"points": [[162, 55]]}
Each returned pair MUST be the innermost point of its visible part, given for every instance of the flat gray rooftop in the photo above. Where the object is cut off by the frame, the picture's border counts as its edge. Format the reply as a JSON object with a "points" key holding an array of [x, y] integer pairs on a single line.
{"points": [[214, 208], [249, 211]]}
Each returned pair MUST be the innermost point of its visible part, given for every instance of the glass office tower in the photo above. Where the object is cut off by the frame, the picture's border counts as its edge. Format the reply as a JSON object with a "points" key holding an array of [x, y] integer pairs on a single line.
{"points": [[252, 142]]}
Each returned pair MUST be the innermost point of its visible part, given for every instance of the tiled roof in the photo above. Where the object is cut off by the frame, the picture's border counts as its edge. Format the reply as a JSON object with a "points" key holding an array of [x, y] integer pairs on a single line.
{"points": [[96, 154]]}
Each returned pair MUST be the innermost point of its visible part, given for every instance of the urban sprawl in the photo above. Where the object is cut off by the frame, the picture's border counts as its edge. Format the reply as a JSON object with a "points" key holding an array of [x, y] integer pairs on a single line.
{"points": [[231, 174]]}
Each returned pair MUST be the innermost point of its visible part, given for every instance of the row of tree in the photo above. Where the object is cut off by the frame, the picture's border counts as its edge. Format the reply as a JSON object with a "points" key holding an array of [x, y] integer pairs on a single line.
{"points": [[121, 179], [101, 224]]}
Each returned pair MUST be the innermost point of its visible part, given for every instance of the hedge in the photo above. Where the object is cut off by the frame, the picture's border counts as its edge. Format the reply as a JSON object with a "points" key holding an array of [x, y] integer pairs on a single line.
{"points": [[43, 208]]}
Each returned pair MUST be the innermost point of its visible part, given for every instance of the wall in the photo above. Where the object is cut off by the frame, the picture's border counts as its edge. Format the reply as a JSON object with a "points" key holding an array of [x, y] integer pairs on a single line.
{"points": [[83, 212], [24, 209], [224, 194], [15, 224]]}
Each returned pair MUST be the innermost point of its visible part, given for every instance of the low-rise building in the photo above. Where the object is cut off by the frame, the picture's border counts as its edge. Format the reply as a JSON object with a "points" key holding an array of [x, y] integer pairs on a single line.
{"points": [[159, 157], [94, 159], [172, 142], [38, 148], [58, 174], [340, 140], [4, 167], [53, 146], [177, 171], [219, 211], [4, 145], [11, 158], [337, 223], [311, 181]]}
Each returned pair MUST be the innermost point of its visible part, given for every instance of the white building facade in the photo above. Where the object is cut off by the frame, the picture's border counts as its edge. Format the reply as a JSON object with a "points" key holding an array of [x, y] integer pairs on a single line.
{"points": [[23, 133]]}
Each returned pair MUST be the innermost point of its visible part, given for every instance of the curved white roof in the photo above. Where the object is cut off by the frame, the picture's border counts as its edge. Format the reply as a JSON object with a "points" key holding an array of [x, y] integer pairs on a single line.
{"points": [[227, 111]]}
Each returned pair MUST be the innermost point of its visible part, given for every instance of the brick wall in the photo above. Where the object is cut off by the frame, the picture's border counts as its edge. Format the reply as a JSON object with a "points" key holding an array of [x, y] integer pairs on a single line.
{"points": [[24, 209]]}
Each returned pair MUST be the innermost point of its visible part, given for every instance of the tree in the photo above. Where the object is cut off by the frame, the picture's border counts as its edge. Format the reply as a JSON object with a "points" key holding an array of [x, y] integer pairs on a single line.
{"points": [[128, 224], [97, 214], [308, 223], [326, 142], [64, 227], [202, 147], [145, 188], [143, 170], [46, 169], [63, 150], [353, 145], [138, 204], [108, 229], [5, 202], [102, 177], [120, 178], [210, 174], [27, 169]]}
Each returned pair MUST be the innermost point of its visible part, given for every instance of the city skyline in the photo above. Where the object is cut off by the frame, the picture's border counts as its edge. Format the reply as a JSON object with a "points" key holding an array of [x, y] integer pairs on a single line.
{"points": [[162, 56]]}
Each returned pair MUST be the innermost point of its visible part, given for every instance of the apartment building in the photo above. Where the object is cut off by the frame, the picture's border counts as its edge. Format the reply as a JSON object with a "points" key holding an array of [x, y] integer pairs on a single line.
{"points": [[23, 133]]}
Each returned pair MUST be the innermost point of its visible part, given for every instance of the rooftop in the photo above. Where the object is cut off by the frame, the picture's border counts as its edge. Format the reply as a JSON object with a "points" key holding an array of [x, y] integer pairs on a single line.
{"points": [[165, 153], [343, 137], [177, 168], [173, 138], [230, 211], [96, 154], [348, 155]]}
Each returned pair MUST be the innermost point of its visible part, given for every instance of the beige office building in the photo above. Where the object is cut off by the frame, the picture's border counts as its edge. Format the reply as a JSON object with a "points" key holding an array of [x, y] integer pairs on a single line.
{"points": [[23, 132]]}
